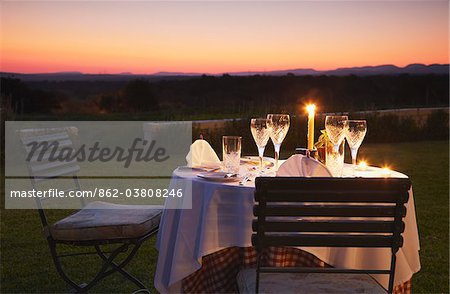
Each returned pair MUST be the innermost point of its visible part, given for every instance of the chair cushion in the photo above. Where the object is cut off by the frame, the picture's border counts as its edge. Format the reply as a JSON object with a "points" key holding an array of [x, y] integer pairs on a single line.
{"points": [[107, 221], [307, 283]]}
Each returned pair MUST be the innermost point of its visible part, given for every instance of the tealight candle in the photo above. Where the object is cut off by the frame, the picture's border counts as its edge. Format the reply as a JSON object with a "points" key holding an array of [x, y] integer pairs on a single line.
{"points": [[362, 165], [386, 172], [311, 109]]}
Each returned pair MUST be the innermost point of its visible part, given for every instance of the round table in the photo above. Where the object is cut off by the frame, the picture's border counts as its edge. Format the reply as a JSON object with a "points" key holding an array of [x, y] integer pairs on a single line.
{"points": [[221, 215]]}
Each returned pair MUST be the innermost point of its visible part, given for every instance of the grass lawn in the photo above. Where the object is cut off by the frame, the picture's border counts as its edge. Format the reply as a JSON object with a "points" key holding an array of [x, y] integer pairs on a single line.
{"points": [[427, 164], [26, 265]]}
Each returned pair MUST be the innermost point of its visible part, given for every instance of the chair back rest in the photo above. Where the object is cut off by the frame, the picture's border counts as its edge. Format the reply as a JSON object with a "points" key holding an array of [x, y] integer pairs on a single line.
{"points": [[330, 212], [42, 147]]}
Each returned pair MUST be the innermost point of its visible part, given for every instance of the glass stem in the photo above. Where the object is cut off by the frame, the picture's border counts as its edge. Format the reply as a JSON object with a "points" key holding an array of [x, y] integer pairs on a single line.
{"points": [[261, 155], [354, 153], [277, 154]]}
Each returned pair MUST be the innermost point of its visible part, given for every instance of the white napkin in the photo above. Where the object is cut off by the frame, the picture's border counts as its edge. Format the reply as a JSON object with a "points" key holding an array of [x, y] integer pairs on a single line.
{"points": [[301, 166], [201, 154]]}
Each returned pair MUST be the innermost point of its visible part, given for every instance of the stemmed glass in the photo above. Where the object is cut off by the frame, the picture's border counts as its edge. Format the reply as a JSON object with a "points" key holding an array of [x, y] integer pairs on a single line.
{"points": [[355, 135], [279, 124], [336, 127], [261, 133]]}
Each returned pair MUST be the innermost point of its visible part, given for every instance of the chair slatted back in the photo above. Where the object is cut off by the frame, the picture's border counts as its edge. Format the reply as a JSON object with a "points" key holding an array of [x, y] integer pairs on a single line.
{"points": [[330, 212], [42, 150]]}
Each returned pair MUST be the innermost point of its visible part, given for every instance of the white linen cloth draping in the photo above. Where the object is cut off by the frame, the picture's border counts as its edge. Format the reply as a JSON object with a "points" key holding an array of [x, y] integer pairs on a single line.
{"points": [[221, 217], [201, 154]]}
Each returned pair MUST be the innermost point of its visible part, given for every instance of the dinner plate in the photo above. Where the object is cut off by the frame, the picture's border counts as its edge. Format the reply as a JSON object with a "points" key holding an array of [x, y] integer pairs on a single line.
{"points": [[219, 177], [199, 168]]}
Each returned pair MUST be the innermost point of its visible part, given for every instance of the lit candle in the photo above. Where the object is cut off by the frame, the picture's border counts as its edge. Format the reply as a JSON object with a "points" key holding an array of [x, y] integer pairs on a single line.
{"points": [[311, 108], [386, 172], [362, 165]]}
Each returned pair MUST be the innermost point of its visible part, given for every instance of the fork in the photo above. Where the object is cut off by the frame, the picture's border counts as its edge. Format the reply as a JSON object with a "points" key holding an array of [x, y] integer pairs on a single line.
{"points": [[245, 179]]}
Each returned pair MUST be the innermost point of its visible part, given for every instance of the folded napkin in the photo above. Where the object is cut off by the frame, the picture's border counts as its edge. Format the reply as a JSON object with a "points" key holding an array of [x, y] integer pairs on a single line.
{"points": [[301, 166], [201, 154]]}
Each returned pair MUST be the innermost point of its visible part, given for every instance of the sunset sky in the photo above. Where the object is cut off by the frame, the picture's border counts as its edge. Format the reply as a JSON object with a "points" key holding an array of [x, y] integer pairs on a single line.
{"points": [[215, 37]]}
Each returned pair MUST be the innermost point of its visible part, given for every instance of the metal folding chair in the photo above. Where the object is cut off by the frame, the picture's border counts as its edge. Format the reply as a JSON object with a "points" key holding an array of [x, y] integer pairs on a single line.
{"points": [[130, 228]]}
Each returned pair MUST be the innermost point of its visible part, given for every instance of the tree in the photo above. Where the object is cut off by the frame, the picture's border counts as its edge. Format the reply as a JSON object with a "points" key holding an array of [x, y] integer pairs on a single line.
{"points": [[138, 95], [19, 98]]}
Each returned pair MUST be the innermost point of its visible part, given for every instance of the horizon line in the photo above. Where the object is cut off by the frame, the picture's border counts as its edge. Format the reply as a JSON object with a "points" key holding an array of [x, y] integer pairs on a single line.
{"points": [[218, 73]]}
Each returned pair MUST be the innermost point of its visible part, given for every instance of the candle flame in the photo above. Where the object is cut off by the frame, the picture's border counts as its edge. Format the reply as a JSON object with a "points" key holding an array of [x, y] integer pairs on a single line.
{"points": [[362, 165], [386, 171], [310, 108]]}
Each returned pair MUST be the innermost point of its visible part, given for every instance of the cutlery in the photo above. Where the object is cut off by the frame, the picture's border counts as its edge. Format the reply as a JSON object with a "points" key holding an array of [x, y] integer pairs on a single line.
{"points": [[245, 179], [230, 176]]}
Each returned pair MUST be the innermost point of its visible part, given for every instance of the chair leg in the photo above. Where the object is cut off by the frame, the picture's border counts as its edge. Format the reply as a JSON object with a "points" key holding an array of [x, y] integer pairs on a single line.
{"points": [[391, 275], [258, 264], [119, 267], [108, 262], [59, 268], [101, 274]]}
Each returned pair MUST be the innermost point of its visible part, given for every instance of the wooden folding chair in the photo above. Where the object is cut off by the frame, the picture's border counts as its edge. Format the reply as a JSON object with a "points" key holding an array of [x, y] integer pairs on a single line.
{"points": [[96, 224], [325, 212]]}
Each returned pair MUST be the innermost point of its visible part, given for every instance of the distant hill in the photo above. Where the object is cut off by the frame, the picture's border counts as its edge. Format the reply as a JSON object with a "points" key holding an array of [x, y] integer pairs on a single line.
{"points": [[388, 69], [81, 77], [168, 73], [412, 69], [298, 72]]}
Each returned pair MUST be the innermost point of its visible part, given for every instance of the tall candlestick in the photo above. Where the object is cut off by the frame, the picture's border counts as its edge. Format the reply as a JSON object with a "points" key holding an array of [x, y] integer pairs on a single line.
{"points": [[311, 109]]}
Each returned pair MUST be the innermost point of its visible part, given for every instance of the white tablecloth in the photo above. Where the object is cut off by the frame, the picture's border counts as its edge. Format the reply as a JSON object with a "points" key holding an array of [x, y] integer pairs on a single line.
{"points": [[221, 217]]}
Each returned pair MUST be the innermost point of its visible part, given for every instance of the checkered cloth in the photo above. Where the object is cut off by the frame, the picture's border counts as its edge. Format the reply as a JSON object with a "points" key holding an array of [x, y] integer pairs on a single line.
{"points": [[219, 269]]}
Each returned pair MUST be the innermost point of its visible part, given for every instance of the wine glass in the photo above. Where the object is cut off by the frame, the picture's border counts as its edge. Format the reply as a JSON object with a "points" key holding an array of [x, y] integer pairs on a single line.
{"points": [[279, 125], [336, 127], [261, 133], [355, 135]]}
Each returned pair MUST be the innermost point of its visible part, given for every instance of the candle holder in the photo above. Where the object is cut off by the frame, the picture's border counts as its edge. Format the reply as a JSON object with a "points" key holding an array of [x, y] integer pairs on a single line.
{"points": [[310, 153]]}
